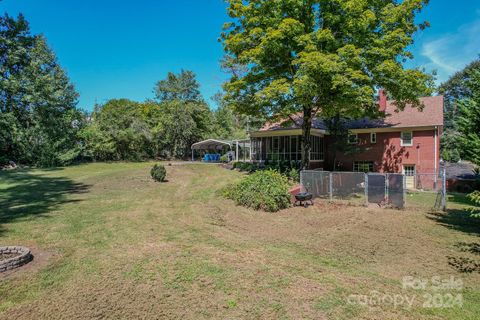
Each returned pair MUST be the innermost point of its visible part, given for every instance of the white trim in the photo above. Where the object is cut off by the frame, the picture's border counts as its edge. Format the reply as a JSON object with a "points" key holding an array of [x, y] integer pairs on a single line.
{"points": [[393, 129], [402, 144], [284, 132], [410, 165], [356, 138]]}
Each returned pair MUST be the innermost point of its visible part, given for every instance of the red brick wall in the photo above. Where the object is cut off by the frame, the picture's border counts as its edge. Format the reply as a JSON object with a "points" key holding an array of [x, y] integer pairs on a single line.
{"points": [[388, 155]]}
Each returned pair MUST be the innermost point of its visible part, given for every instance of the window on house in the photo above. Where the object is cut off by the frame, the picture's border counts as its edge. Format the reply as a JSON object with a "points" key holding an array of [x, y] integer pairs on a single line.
{"points": [[317, 148], [363, 166], [373, 137], [406, 139], [353, 138], [409, 170]]}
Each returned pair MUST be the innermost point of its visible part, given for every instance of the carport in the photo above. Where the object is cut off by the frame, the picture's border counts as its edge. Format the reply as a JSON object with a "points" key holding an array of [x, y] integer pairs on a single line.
{"points": [[210, 144]]}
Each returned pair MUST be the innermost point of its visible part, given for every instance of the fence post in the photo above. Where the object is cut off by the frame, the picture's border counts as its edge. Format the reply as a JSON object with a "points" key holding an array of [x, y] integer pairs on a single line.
{"points": [[444, 188], [330, 186], [366, 189], [387, 200], [301, 181]]}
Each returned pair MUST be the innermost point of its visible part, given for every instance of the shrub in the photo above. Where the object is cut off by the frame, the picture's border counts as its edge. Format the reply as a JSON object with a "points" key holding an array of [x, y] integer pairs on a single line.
{"points": [[262, 190], [224, 158], [158, 173], [293, 174], [475, 198]]}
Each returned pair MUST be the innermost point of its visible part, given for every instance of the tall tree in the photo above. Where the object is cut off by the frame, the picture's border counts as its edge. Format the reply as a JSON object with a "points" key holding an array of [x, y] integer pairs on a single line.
{"points": [[468, 120], [323, 57], [36, 92], [455, 89], [182, 86]]}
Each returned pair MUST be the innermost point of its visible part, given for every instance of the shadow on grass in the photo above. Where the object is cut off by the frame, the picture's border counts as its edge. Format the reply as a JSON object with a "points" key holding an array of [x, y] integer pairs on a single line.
{"points": [[457, 219], [460, 219], [28, 194]]}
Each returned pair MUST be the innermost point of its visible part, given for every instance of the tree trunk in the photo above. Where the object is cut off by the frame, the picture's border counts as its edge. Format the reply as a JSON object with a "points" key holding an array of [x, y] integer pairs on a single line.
{"points": [[306, 137]]}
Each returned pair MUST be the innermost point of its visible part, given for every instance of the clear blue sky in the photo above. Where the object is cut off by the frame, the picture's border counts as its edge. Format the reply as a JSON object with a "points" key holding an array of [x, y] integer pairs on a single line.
{"points": [[115, 49]]}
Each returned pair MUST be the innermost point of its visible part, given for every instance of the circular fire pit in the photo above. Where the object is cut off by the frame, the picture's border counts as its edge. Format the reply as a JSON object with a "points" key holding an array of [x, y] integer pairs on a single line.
{"points": [[14, 257]]}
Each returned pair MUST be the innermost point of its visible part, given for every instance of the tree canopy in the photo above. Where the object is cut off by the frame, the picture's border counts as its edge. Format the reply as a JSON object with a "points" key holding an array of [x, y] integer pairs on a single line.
{"points": [[182, 86], [37, 101], [469, 119], [320, 56], [457, 88]]}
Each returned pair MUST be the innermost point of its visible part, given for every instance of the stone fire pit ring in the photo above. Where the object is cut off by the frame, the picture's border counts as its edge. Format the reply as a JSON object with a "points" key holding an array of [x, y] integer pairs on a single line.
{"points": [[16, 256]]}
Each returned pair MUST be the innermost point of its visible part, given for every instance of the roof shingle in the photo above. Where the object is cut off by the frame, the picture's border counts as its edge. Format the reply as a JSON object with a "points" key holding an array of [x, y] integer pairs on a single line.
{"points": [[430, 115]]}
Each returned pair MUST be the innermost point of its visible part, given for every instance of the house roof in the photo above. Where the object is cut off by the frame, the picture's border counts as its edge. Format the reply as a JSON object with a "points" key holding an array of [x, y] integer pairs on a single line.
{"points": [[430, 115], [460, 170]]}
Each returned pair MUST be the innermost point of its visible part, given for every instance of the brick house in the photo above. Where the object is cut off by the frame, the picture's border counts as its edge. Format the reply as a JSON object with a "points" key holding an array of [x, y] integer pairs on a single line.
{"points": [[402, 142]]}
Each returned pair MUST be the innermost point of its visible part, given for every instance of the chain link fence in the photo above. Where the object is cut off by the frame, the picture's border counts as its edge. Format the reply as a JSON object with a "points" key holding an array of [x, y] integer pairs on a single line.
{"points": [[426, 191]]}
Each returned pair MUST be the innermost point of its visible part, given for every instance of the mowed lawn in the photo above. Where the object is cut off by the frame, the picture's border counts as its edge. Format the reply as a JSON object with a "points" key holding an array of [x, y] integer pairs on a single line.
{"points": [[110, 243]]}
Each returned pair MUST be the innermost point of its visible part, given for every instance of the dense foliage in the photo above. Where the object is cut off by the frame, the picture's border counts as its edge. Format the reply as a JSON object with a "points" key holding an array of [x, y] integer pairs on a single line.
{"points": [[39, 121], [158, 173], [262, 190], [456, 90], [162, 128], [475, 198], [320, 56], [468, 120]]}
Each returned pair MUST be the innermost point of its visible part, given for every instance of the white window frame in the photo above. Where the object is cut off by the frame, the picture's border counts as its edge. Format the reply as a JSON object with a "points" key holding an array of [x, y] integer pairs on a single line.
{"points": [[358, 164], [373, 137], [402, 140], [353, 135], [411, 173]]}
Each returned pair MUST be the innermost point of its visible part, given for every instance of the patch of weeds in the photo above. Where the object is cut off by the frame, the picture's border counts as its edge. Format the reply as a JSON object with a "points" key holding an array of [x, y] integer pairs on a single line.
{"points": [[138, 272], [184, 273], [335, 304], [231, 304], [464, 265], [472, 247]]}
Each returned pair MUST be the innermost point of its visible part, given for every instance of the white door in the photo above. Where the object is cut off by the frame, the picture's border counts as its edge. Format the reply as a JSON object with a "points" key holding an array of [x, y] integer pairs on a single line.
{"points": [[409, 172]]}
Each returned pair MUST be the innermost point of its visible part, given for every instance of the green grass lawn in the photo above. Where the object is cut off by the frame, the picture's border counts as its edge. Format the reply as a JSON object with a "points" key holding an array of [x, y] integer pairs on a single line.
{"points": [[111, 243]]}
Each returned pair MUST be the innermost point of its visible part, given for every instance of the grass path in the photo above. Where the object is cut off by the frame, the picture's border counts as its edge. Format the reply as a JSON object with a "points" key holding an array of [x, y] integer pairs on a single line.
{"points": [[111, 243]]}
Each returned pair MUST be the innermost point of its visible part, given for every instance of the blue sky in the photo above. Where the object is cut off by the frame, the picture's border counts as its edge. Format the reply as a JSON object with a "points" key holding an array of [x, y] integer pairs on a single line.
{"points": [[119, 49]]}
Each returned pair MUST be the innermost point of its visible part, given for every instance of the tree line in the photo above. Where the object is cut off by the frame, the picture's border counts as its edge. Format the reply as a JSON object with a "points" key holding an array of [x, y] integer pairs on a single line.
{"points": [[40, 123], [284, 58]]}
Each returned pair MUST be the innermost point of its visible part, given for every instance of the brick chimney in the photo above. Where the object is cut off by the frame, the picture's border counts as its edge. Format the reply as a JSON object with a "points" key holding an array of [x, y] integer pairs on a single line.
{"points": [[382, 100]]}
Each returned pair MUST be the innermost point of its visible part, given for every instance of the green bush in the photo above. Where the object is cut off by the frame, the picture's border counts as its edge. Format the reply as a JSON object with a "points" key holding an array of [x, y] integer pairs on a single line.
{"points": [[475, 198], [224, 158], [293, 174], [158, 173], [262, 190]]}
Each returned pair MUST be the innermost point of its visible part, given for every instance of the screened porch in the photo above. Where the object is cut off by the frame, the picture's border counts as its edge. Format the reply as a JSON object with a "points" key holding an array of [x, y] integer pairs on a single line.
{"points": [[285, 148]]}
